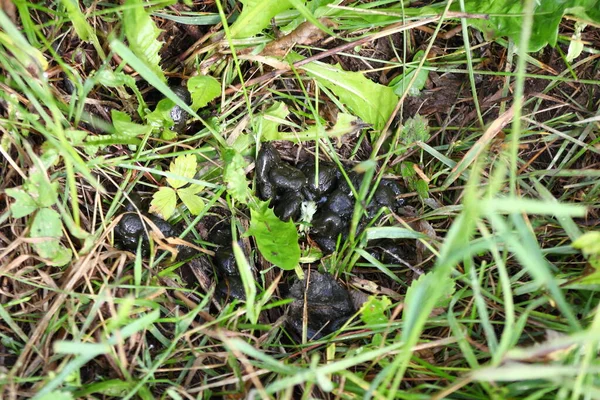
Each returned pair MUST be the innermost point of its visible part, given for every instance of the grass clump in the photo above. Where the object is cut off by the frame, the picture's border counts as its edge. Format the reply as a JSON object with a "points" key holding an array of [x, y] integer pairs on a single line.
{"points": [[483, 285]]}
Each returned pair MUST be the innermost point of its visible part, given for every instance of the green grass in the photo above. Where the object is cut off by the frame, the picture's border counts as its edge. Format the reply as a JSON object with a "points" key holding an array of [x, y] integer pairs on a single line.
{"points": [[489, 299]]}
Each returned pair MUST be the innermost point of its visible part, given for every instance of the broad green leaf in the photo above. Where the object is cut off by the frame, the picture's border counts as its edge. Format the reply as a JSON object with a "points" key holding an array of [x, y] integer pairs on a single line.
{"points": [[372, 102], [271, 119], [234, 175], [277, 240], [184, 166], [24, 203], [592, 279], [47, 225], [422, 188], [400, 83], [192, 201], [77, 18], [345, 124], [50, 154], [588, 243], [256, 15], [141, 33], [203, 89], [164, 202], [373, 311], [43, 192], [124, 126], [505, 18]]}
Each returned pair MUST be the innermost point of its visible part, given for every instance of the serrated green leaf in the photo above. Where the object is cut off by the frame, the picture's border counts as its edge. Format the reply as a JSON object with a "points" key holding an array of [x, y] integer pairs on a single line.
{"points": [[141, 33], [372, 102], [24, 203], [345, 124], [124, 126], [256, 15], [47, 224], [164, 202], [277, 241], [184, 166], [234, 175], [506, 18], [415, 129], [193, 202], [373, 311], [43, 192], [203, 89], [50, 154]]}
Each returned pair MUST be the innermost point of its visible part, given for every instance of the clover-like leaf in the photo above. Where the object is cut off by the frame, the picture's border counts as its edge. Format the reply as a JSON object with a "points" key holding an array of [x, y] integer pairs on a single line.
{"points": [[161, 118], [184, 166], [192, 201], [164, 202]]}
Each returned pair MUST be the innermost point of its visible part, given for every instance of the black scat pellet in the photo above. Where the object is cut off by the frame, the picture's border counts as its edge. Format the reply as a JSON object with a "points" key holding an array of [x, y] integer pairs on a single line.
{"points": [[340, 203], [178, 114], [287, 178], [230, 287], [328, 305], [288, 206], [130, 230], [266, 159], [225, 261], [328, 224], [327, 179]]}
